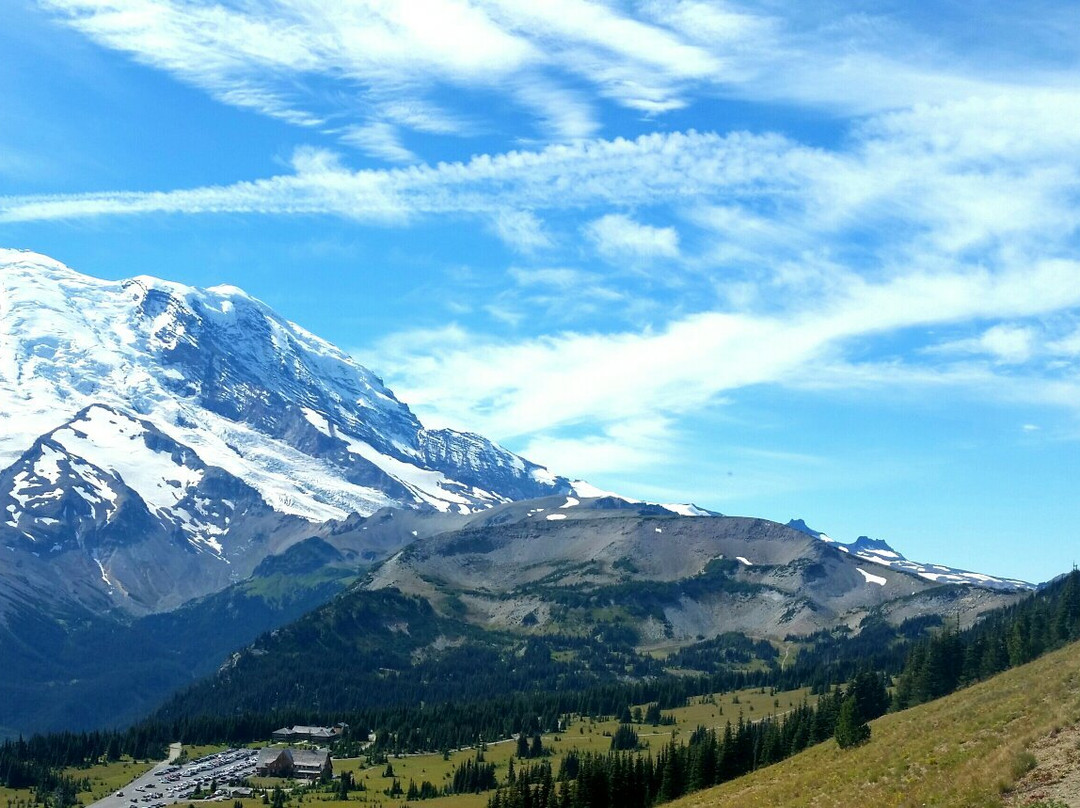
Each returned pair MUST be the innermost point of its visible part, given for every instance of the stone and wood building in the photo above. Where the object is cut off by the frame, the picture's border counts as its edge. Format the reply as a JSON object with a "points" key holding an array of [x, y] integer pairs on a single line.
{"points": [[312, 734], [277, 761]]}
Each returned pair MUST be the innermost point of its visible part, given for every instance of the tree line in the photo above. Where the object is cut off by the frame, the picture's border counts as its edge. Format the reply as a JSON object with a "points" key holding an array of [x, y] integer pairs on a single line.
{"points": [[417, 722], [420, 718], [1003, 639], [621, 779]]}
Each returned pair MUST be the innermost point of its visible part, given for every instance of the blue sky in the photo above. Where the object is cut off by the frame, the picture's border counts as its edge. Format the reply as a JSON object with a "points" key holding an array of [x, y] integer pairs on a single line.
{"points": [[779, 259]]}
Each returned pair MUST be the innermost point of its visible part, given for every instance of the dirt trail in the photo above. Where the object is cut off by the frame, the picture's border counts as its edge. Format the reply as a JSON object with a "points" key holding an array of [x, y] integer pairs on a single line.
{"points": [[1056, 775]]}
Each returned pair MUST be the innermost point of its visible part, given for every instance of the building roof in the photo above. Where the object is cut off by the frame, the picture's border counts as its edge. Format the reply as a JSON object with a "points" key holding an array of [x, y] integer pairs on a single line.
{"points": [[310, 757], [307, 732], [269, 754]]}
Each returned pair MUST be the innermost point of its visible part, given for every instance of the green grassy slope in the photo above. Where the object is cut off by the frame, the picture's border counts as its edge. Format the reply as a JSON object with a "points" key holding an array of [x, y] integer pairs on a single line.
{"points": [[967, 749]]}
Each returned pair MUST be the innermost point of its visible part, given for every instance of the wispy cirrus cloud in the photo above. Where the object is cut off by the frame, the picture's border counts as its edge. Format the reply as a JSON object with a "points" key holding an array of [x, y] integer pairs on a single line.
{"points": [[1006, 343], [977, 174], [381, 139], [618, 236], [520, 229], [385, 61], [654, 167], [551, 383], [354, 70]]}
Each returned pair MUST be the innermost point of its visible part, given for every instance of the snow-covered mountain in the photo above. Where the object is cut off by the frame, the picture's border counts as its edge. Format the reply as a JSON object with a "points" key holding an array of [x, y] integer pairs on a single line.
{"points": [[876, 551], [143, 412], [158, 441]]}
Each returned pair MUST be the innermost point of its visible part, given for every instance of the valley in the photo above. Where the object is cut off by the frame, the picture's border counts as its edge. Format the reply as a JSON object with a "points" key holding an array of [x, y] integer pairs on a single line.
{"points": [[578, 735], [974, 747]]}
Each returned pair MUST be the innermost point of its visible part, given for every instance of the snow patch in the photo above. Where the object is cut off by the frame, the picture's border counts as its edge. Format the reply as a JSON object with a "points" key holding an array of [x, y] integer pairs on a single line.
{"points": [[543, 476], [590, 491], [684, 509], [742, 560], [872, 579], [116, 443], [554, 517], [104, 575], [426, 484], [317, 420], [570, 502], [48, 465], [880, 553]]}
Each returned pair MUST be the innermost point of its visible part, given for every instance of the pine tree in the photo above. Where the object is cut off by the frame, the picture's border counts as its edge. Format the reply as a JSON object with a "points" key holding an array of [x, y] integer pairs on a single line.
{"points": [[851, 727], [624, 738]]}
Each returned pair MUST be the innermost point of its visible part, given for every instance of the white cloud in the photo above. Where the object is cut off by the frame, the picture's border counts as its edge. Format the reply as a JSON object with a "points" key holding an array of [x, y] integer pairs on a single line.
{"points": [[521, 230], [566, 114], [600, 383], [916, 183], [385, 58], [958, 220], [379, 139], [558, 277], [625, 445], [1008, 344], [1068, 345], [650, 169], [616, 235], [334, 65], [314, 161]]}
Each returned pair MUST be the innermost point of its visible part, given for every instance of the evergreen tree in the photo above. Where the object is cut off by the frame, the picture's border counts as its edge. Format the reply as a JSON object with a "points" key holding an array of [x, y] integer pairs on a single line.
{"points": [[652, 714], [624, 738], [851, 727], [345, 784]]}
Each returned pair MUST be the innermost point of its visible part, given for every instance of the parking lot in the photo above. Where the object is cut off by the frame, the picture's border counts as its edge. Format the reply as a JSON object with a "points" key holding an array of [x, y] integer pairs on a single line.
{"points": [[166, 784]]}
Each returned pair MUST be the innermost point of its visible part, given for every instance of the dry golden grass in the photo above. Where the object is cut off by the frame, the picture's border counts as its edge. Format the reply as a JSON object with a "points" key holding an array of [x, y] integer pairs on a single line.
{"points": [[964, 750]]}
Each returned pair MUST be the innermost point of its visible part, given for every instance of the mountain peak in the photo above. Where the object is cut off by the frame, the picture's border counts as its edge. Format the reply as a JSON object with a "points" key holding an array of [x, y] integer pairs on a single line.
{"points": [[877, 551], [865, 543], [802, 527], [218, 378]]}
